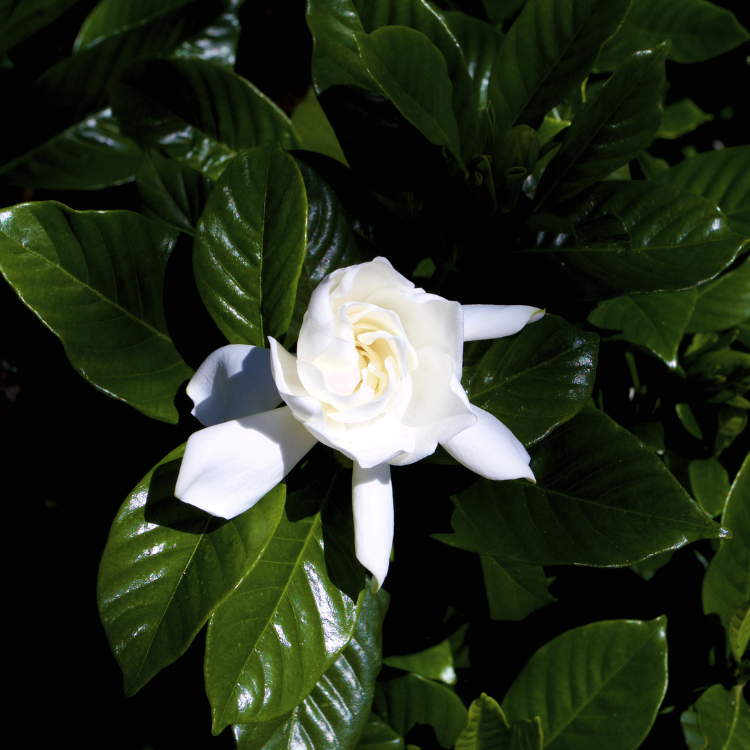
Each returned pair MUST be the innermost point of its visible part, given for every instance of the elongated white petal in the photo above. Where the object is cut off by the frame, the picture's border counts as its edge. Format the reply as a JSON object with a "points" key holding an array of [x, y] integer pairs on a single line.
{"points": [[227, 468], [372, 503], [233, 382], [495, 321], [490, 449]]}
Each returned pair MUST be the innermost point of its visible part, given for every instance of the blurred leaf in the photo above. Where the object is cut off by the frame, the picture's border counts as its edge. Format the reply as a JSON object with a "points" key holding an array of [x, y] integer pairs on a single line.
{"points": [[286, 622], [379, 736], [338, 705], [425, 269], [526, 734], [198, 112], [434, 663], [739, 631], [171, 191], [167, 566], [514, 590], [95, 278], [647, 568], [250, 243], [409, 700], [686, 416], [595, 686], [19, 20], [487, 728], [601, 499], [217, 42], [680, 118], [720, 718], [732, 423], [611, 129], [723, 302], [654, 321], [698, 31], [535, 380], [314, 130], [710, 484], [501, 10]]}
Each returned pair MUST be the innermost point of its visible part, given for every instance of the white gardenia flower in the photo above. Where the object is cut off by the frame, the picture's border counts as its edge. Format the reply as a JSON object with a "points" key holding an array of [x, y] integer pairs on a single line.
{"points": [[377, 376]]}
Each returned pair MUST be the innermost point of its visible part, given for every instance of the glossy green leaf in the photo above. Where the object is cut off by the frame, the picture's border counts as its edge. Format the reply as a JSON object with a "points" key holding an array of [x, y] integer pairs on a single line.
{"points": [[546, 54], [692, 243], [739, 631], [435, 663], [413, 74], [95, 278], [487, 728], [20, 19], [726, 585], [611, 128], [697, 29], [171, 191], [167, 566], [722, 303], [656, 322], [720, 719], [722, 176], [596, 686], [250, 243], [526, 734], [680, 118], [379, 736], [338, 705], [409, 700], [601, 499], [198, 112], [314, 130], [514, 590], [537, 379], [286, 623], [217, 42], [709, 482]]}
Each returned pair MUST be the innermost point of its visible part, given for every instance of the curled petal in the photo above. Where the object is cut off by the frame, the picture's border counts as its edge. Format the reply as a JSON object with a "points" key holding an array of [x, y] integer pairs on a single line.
{"points": [[495, 321], [490, 449], [227, 468], [372, 503], [234, 381]]}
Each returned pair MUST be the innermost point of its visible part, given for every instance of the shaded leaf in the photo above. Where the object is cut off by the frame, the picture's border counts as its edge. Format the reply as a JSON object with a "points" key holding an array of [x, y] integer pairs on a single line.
{"points": [[719, 718], [739, 631], [723, 302], [487, 728], [526, 734], [514, 590], [501, 10], [218, 41], [680, 118], [689, 422], [379, 736], [314, 130], [19, 20], [435, 663], [647, 568], [709, 482]]}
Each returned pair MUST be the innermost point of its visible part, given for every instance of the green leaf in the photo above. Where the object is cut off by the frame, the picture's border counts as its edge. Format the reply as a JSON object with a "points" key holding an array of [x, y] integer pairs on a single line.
{"points": [[514, 590], [167, 566], [171, 191], [722, 303], [217, 42], [698, 31], [720, 718], [723, 177], [409, 700], [656, 322], [726, 585], [739, 631], [501, 10], [95, 278], [338, 705], [547, 53], [379, 736], [19, 20], [689, 422], [250, 244], [693, 246], [526, 734], [413, 74], [314, 130], [680, 118], [595, 686], [537, 379], [286, 623], [601, 499], [487, 728], [647, 568], [435, 663], [710, 484], [611, 128], [198, 112]]}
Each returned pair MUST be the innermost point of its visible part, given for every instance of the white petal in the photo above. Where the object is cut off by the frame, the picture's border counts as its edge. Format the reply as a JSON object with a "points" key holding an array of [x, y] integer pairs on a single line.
{"points": [[495, 321], [490, 449], [234, 381], [372, 503], [227, 468]]}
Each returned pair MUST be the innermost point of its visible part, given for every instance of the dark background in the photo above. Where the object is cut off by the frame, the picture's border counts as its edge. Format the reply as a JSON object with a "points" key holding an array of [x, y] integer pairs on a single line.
{"points": [[69, 455]]}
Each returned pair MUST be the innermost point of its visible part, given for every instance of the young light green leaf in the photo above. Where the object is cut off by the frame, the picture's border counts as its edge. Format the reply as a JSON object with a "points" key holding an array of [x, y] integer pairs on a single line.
{"points": [[167, 566], [601, 499], [689, 422], [720, 719], [250, 243], [722, 303], [378, 735], [435, 663], [680, 118], [710, 484], [487, 728], [314, 130], [739, 631], [600, 684], [514, 590], [95, 278]]}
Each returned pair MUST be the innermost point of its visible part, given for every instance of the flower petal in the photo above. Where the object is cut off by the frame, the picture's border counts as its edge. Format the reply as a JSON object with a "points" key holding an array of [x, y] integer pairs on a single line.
{"points": [[372, 503], [234, 381], [495, 321], [490, 449], [227, 468]]}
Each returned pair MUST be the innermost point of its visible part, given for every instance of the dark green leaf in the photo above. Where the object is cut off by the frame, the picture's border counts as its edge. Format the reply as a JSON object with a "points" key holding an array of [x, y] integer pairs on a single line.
{"points": [[20, 19], [680, 118], [709, 482], [739, 631], [217, 42], [547, 53], [96, 280], [409, 700], [198, 112], [250, 244], [487, 728], [595, 686], [719, 720], [611, 129], [647, 568], [314, 130], [379, 736], [337, 707], [167, 566], [602, 499], [501, 10], [722, 303], [287, 622], [514, 590], [435, 663], [526, 734], [537, 379]]}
